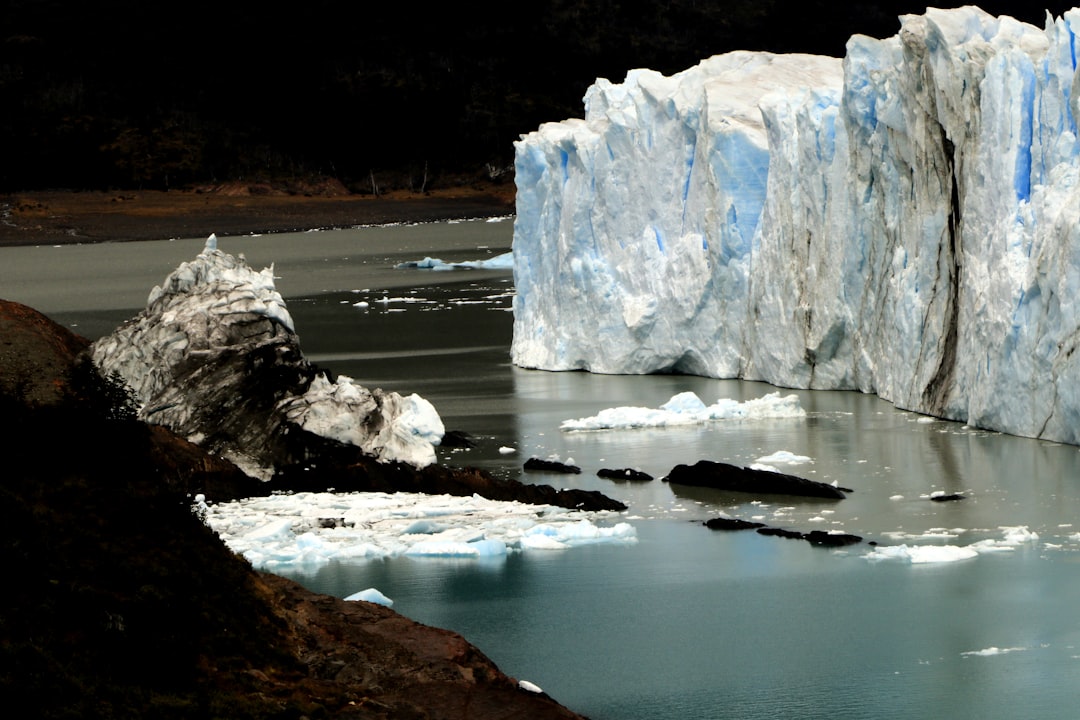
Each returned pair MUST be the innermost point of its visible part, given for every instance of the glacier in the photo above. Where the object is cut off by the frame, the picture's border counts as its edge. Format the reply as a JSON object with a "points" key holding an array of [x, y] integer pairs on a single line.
{"points": [[902, 221]]}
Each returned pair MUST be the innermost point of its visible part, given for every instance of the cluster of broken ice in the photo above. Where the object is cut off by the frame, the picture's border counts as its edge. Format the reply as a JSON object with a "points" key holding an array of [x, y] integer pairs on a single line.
{"points": [[901, 222], [1012, 538], [307, 530]]}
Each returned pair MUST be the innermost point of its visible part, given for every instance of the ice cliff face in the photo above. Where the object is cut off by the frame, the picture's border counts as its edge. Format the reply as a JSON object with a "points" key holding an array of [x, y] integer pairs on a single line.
{"points": [[215, 357], [905, 222]]}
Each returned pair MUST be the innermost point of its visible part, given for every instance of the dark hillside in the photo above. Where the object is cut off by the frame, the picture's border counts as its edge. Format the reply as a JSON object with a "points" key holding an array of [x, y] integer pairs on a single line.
{"points": [[120, 603], [115, 94]]}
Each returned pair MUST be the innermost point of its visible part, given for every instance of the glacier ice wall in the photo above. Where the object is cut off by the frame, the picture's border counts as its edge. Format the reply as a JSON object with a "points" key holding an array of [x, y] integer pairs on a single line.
{"points": [[905, 221], [215, 357]]}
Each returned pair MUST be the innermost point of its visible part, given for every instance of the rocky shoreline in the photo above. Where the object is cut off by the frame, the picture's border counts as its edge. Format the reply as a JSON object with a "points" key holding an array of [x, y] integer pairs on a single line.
{"points": [[68, 217]]}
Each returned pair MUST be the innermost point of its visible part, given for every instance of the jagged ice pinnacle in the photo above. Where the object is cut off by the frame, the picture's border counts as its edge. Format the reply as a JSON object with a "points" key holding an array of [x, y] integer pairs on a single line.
{"points": [[905, 221]]}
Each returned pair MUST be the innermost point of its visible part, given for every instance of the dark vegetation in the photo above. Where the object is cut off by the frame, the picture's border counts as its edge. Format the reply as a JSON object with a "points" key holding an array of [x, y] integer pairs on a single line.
{"points": [[129, 94]]}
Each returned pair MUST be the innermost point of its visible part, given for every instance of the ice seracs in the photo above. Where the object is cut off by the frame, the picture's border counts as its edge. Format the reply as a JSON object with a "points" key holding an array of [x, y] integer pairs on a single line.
{"points": [[901, 222], [215, 357]]}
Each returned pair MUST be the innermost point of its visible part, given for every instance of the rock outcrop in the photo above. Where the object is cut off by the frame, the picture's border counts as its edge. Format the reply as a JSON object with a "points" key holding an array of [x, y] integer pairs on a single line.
{"points": [[721, 476]]}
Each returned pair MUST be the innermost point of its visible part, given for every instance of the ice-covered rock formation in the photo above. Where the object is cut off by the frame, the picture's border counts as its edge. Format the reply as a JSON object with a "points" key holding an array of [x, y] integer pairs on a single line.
{"points": [[215, 357], [903, 222]]}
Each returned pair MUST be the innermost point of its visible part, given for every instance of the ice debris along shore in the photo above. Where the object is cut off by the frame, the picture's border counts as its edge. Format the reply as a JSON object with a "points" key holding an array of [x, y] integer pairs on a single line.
{"points": [[688, 409], [215, 357], [307, 530], [902, 221]]}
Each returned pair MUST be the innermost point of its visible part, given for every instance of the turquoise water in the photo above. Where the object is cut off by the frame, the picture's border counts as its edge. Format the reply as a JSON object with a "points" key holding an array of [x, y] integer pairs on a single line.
{"points": [[686, 623]]}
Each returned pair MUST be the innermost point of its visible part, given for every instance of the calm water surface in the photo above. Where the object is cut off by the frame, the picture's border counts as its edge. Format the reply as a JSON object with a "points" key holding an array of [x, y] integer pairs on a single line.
{"points": [[687, 623]]}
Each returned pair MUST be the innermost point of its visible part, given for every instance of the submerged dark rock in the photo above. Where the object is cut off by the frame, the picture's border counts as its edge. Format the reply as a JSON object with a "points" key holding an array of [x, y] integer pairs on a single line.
{"points": [[825, 539], [624, 474], [722, 476], [814, 537], [554, 466], [724, 523], [780, 532], [457, 439], [347, 469], [951, 497]]}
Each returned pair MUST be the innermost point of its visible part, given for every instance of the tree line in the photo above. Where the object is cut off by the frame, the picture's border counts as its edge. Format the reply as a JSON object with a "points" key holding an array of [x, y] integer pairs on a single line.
{"points": [[128, 94]]}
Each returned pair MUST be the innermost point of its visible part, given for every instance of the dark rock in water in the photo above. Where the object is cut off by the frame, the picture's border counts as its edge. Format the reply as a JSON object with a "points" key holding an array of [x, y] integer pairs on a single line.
{"points": [[538, 465], [825, 539], [347, 469], [722, 523], [814, 537], [624, 474], [457, 439], [947, 498], [780, 532], [721, 476]]}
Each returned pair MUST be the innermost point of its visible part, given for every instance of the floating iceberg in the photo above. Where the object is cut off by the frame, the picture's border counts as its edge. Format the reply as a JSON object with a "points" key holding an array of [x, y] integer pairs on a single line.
{"points": [[688, 409], [215, 357], [900, 222], [504, 261]]}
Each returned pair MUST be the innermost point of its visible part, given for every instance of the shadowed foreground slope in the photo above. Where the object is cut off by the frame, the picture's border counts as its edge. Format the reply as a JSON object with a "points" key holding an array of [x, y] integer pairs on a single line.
{"points": [[121, 603]]}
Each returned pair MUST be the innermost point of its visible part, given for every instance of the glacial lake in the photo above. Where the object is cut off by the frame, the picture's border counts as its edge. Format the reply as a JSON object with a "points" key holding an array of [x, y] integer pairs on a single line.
{"points": [[686, 622]]}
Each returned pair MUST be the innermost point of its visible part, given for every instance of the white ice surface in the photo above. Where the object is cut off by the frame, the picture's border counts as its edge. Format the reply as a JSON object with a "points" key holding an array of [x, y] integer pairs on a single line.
{"points": [[504, 261], [1012, 538], [287, 531], [371, 595]]}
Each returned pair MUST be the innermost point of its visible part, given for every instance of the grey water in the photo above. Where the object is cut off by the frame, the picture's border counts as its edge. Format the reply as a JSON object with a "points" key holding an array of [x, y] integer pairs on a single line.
{"points": [[687, 622]]}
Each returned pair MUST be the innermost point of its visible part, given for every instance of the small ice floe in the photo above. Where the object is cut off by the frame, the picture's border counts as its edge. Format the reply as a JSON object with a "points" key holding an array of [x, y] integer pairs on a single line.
{"points": [[506, 450], [785, 457], [922, 554], [529, 687], [504, 261], [991, 651], [363, 304], [1012, 538], [371, 595]]}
